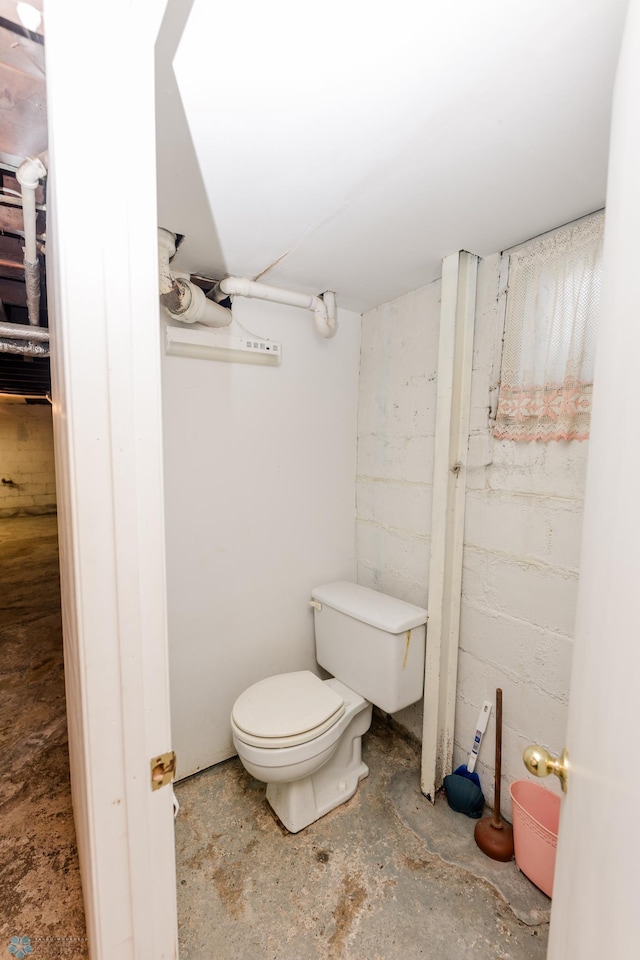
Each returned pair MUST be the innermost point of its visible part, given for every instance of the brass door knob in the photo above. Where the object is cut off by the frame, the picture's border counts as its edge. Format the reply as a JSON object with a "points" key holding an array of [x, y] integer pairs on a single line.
{"points": [[540, 763]]}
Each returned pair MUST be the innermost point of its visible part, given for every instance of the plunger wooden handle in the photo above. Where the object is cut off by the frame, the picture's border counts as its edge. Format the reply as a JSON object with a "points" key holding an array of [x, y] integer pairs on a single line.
{"points": [[498, 772], [493, 835]]}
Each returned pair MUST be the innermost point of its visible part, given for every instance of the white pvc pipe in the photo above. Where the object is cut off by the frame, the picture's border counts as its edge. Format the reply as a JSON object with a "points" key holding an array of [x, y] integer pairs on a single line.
{"points": [[241, 287], [198, 309], [28, 174], [323, 308], [329, 320], [183, 300]]}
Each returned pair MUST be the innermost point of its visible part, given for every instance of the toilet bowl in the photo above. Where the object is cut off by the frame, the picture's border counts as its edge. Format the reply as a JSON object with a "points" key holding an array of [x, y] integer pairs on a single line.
{"points": [[302, 736], [309, 770]]}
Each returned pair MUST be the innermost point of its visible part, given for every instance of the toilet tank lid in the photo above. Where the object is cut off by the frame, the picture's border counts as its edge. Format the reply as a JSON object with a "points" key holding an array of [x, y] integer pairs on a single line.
{"points": [[369, 606]]}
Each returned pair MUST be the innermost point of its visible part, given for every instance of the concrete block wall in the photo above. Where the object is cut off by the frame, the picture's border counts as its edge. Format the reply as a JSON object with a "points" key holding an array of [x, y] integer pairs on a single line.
{"points": [[521, 554], [396, 422], [522, 527], [26, 458]]}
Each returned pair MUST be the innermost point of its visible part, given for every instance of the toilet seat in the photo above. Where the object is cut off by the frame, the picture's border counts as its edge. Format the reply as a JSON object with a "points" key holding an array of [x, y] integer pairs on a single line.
{"points": [[286, 710]]}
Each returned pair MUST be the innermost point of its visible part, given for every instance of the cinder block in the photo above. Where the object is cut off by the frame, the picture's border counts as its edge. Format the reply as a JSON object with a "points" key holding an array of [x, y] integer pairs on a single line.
{"points": [[479, 452], [404, 554], [522, 530], [479, 399], [393, 583], [409, 458], [26, 451], [538, 717], [525, 526], [403, 409], [402, 506], [519, 648], [529, 716], [479, 413], [554, 469], [521, 589]]}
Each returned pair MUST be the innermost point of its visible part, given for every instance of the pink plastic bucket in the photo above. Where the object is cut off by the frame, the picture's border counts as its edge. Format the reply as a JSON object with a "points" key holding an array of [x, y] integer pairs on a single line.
{"points": [[536, 813]]}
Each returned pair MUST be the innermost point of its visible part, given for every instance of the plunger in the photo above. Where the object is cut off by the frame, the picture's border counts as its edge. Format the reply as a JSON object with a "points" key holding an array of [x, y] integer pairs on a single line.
{"points": [[492, 834]]}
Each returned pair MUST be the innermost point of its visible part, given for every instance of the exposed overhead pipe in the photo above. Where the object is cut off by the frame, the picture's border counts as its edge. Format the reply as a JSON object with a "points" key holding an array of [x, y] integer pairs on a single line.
{"points": [[21, 331], [182, 299], [23, 348], [322, 307], [28, 174]]}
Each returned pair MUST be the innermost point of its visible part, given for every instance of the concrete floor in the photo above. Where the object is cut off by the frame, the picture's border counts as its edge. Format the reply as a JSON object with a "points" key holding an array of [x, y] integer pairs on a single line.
{"points": [[363, 882], [359, 884], [40, 893]]}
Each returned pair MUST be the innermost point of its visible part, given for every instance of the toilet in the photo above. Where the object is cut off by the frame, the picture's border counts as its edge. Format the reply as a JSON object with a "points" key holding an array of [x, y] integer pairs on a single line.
{"points": [[301, 735]]}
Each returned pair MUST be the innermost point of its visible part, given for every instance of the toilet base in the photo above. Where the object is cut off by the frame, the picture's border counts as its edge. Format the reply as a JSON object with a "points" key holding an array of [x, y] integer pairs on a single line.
{"points": [[301, 802]]}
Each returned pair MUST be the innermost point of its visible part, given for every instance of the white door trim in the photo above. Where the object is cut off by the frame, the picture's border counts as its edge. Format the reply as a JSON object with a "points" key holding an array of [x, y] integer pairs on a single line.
{"points": [[107, 420], [455, 357], [595, 902]]}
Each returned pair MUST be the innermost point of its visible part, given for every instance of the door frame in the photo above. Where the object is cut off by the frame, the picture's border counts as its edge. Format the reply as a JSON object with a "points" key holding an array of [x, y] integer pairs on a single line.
{"points": [[595, 909], [107, 424], [102, 271]]}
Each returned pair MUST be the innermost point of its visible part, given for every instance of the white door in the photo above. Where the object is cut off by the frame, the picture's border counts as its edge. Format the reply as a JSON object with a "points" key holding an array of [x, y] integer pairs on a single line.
{"points": [[596, 909], [102, 267]]}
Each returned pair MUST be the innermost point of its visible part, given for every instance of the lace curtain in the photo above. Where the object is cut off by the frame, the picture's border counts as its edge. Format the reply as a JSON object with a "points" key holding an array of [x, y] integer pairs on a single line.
{"points": [[553, 301]]}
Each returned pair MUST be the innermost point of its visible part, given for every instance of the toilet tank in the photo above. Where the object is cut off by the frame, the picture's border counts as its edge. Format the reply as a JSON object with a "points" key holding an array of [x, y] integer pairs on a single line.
{"points": [[373, 643]]}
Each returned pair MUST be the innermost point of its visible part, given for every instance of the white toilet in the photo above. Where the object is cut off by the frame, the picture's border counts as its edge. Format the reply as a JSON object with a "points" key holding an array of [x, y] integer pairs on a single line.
{"points": [[302, 735]]}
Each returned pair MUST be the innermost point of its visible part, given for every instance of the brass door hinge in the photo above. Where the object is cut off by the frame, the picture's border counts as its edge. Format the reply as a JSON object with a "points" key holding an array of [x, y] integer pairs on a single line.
{"points": [[163, 769]]}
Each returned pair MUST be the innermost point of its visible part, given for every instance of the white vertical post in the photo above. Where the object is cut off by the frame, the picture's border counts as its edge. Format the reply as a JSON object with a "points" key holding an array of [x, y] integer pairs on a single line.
{"points": [[102, 264], [455, 357]]}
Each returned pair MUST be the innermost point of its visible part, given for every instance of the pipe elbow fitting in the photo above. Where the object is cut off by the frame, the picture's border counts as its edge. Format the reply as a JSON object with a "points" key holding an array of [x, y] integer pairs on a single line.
{"points": [[30, 172], [234, 287], [324, 315], [192, 306], [326, 326]]}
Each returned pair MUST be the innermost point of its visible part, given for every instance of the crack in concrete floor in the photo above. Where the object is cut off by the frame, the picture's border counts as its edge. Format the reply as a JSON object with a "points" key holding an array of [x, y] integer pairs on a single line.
{"points": [[357, 884]]}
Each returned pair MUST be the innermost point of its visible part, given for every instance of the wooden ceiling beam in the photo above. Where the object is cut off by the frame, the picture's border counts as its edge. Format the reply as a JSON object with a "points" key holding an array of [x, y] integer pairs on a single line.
{"points": [[11, 248], [11, 220], [11, 270], [9, 182], [13, 293]]}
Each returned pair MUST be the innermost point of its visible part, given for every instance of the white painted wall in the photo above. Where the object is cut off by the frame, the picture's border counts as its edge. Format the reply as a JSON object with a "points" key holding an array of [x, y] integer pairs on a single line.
{"points": [[491, 93], [522, 542], [396, 423], [260, 508], [26, 457]]}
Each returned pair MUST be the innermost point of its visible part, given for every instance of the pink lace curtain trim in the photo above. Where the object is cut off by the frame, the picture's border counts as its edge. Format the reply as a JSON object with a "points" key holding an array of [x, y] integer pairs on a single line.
{"points": [[552, 307], [544, 413]]}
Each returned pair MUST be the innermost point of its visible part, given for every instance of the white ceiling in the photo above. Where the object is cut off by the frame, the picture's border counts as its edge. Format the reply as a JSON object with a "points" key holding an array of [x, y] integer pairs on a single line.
{"points": [[354, 144]]}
